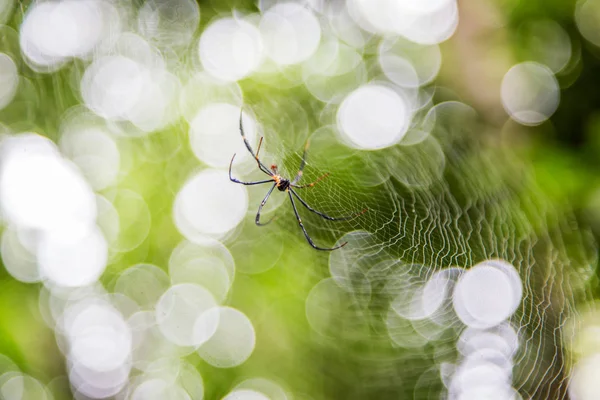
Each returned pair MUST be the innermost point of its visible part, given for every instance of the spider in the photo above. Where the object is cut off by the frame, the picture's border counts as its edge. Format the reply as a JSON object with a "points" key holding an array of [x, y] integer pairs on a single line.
{"points": [[288, 186]]}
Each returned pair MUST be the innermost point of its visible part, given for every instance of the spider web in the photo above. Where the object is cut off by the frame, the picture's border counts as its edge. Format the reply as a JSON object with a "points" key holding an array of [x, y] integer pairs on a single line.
{"points": [[452, 200]]}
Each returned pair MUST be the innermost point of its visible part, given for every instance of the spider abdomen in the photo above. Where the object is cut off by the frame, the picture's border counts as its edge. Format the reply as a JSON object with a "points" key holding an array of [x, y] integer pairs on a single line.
{"points": [[283, 185]]}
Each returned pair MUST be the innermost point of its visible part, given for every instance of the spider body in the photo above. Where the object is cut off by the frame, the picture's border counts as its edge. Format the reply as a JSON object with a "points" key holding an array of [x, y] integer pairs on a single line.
{"points": [[282, 183], [286, 185]]}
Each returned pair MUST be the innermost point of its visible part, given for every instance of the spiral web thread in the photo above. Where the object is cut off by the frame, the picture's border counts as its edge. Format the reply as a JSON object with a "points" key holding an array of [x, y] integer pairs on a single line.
{"points": [[450, 200]]}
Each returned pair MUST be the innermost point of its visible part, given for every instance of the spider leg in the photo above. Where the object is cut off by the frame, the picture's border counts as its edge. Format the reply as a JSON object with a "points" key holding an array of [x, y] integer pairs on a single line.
{"points": [[302, 164], [309, 208], [259, 144], [232, 179], [319, 179], [261, 166], [262, 203], [306, 233]]}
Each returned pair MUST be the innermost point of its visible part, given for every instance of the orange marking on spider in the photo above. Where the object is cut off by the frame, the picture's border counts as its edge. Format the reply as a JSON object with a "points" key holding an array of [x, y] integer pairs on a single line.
{"points": [[319, 179]]}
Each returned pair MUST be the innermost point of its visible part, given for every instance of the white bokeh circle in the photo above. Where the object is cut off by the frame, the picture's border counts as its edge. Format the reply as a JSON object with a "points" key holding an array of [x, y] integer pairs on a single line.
{"points": [[209, 204]]}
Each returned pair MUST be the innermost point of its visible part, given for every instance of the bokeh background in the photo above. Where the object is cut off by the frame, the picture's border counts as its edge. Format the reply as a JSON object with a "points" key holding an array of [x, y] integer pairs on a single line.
{"points": [[132, 267]]}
